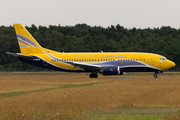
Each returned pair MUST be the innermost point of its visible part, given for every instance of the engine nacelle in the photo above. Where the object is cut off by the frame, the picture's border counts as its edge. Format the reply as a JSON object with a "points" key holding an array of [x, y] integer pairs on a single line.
{"points": [[111, 70]]}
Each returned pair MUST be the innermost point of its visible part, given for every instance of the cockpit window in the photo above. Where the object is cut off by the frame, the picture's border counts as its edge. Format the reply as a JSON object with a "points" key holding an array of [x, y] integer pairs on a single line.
{"points": [[162, 58]]}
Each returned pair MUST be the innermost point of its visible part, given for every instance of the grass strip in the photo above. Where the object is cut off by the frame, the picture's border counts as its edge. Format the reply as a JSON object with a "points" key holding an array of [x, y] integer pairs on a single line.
{"points": [[10, 94]]}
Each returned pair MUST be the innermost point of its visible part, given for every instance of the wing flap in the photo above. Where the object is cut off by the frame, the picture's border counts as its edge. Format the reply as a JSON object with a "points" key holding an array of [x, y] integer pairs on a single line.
{"points": [[86, 66]]}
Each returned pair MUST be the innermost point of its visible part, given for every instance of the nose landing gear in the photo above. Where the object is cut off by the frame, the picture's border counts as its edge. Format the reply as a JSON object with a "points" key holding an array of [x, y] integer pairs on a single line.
{"points": [[155, 75]]}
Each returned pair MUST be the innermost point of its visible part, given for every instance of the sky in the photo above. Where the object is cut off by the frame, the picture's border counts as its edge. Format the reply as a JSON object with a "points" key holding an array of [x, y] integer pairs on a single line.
{"points": [[127, 13]]}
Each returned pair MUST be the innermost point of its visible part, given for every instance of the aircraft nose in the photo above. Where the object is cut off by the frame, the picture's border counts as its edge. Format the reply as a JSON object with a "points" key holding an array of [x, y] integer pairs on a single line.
{"points": [[171, 64]]}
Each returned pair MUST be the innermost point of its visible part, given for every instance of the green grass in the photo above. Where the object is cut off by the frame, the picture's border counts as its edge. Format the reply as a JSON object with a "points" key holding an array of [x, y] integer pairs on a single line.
{"points": [[173, 116], [133, 113]]}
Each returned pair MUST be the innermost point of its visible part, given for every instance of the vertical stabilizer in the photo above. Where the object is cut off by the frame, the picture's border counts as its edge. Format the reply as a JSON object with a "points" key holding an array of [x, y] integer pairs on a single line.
{"points": [[27, 44]]}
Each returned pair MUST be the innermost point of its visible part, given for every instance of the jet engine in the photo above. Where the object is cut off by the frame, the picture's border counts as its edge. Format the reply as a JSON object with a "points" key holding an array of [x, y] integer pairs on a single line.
{"points": [[111, 70]]}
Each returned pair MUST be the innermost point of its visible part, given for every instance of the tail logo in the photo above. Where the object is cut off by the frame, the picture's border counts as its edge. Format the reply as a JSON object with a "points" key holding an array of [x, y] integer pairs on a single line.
{"points": [[26, 41]]}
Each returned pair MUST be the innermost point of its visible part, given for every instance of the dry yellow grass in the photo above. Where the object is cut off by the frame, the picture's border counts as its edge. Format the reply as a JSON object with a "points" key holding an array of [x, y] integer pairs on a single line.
{"points": [[43, 94]]}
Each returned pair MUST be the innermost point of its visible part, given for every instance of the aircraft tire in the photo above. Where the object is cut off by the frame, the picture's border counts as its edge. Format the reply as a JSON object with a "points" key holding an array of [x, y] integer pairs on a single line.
{"points": [[155, 75]]}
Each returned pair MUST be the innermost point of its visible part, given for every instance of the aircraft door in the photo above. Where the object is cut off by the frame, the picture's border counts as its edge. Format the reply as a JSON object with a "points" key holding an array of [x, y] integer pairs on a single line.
{"points": [[151, 60], [160, 63]]}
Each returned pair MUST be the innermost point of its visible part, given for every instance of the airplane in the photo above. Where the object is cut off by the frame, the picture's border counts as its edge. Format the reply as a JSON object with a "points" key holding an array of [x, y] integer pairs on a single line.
{"points": [[106, 63]]}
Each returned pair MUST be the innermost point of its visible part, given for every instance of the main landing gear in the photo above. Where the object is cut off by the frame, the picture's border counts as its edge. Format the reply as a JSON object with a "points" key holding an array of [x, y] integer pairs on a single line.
{"points": [[93, 75]]}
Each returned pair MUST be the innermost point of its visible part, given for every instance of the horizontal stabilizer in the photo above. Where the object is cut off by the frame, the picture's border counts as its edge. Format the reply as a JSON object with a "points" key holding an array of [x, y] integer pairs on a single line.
{"points": [[19, 55]]}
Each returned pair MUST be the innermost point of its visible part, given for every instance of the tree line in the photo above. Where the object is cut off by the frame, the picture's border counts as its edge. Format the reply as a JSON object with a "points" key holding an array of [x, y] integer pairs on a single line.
{"points": [[84, 38]]}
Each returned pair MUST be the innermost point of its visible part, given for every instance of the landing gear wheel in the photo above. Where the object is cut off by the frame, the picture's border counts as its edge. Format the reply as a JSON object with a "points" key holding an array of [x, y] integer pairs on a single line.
{"points": [[93, 75], [155, 75]]}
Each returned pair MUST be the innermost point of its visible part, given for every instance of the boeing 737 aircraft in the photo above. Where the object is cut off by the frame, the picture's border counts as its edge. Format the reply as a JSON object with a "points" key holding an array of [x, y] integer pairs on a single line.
{"points": [[106, 63]]}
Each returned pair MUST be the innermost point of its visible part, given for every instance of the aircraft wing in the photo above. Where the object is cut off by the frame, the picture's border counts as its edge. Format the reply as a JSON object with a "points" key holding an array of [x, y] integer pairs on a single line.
{"points": [[86, 66], [19, 55]]}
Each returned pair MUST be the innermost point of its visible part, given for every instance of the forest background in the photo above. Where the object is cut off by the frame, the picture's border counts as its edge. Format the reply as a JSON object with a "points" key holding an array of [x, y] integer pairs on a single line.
{"points": [[84, 38]]}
